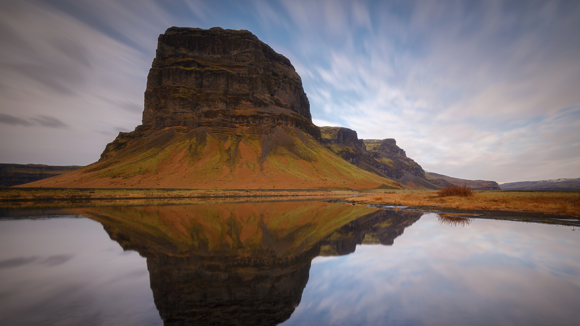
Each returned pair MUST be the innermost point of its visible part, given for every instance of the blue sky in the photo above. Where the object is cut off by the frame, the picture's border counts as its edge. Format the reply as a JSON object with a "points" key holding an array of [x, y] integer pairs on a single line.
{"points": [[471, 89]]}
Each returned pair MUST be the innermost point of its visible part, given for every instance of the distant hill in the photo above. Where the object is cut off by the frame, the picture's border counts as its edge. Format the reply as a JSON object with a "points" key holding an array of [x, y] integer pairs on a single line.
{"points": [[474, 184], [554, 184], [17, 174]]}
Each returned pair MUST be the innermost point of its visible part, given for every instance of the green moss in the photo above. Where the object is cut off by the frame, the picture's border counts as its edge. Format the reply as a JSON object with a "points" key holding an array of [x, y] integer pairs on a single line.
{"points": [[387, 161], [329, 132], [372, 144]]}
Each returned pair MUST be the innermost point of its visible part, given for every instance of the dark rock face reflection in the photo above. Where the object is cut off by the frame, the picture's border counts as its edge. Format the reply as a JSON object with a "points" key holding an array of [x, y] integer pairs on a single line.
{"points": [[247, 266], [190, 291]]}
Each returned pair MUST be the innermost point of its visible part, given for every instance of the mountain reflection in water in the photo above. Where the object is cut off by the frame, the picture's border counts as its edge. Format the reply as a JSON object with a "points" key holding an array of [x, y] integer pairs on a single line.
{"points": [[240, 264]]}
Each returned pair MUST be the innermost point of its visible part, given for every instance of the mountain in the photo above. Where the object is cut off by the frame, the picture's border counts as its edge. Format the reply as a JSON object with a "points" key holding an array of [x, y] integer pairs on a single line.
{"points": [[17, 174], [381, 157], [554, 184], [222, 110], [474, 184]]}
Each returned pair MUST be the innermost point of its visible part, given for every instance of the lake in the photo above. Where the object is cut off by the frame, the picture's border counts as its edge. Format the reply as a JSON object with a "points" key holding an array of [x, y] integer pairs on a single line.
{"points": [[289, 263]]}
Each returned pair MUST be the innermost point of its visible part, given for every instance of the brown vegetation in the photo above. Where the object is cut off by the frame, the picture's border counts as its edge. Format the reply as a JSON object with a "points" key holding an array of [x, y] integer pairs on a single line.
{"points": [[39, 194], [547, 202], [455, 190], [453, 220]]}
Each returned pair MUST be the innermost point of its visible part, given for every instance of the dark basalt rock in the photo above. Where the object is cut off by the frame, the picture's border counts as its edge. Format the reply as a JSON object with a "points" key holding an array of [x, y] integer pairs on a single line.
{"points": [[382, 157], [223, 79], [382, 227], [396, 162]]}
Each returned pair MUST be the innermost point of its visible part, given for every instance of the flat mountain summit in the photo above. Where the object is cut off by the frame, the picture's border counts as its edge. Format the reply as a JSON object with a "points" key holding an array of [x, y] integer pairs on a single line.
{"points": [[222, 110]]}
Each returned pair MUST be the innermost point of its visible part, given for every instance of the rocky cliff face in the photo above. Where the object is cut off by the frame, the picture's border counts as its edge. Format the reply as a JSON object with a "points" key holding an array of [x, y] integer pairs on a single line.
{"points": [[223, 79], [222, 111], [382, 157], [391, 160]]}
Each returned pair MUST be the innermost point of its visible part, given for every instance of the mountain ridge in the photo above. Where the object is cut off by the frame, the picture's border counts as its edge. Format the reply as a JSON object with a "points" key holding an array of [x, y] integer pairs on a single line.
{"points": [[551, 184], [381, 157], [473, 184]]}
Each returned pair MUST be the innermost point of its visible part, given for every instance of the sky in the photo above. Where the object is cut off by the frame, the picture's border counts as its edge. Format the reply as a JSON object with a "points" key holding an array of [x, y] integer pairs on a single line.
{"points": [[471, 89]]}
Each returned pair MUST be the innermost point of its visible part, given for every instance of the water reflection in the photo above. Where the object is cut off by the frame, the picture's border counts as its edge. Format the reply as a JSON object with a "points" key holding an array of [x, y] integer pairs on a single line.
{"points": [[453, 220], [240, 264], [295, 263]]}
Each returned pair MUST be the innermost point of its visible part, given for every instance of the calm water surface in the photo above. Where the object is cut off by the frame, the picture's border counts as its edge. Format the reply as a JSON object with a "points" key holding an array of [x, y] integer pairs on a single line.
{"points": [[297, 263]]}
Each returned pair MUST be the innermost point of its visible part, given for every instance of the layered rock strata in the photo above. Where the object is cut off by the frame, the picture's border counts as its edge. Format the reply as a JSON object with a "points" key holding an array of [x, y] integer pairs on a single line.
{"points": [[222, 111], [382, 157], [223, 79]]}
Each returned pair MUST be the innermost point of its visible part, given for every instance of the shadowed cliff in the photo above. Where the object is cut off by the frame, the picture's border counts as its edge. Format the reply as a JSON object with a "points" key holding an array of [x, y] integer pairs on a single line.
{"points": [[381, 157]]}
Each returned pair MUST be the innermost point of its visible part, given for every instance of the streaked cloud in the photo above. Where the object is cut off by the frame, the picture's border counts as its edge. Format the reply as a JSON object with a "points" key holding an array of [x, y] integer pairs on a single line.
{"points": [[473, 89]]}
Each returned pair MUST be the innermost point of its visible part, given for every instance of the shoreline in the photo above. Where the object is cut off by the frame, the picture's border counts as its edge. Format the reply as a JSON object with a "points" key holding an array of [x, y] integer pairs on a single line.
{"points": [[12, 195], [497, 203]]}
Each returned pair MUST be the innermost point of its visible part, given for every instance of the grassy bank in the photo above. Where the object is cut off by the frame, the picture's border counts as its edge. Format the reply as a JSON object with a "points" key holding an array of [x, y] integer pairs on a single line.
{"points": [[546, 202], [47, 194]]}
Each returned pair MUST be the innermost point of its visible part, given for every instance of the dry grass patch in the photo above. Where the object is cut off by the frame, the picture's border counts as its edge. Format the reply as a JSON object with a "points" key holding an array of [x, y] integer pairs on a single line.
{"points": [[455, 190], [547, 202]]}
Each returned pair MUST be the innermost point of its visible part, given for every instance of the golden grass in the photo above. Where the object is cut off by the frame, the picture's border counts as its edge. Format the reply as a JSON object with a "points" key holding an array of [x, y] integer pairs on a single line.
{"points": [[455, 190], [547, 202], [39, 194]]}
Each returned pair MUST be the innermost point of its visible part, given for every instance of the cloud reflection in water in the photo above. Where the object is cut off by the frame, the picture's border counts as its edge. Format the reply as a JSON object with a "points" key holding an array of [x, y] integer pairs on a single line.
{"points": [[492, 272]]}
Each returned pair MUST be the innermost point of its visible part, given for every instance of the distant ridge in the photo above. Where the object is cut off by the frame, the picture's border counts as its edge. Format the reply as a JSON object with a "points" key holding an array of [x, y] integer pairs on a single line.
{"points": [[17, 174], [474, 184], [553, 184]]}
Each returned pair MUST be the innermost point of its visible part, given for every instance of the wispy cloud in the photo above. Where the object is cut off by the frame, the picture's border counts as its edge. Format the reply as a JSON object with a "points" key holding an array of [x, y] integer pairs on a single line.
{"points": [[474, 89]]}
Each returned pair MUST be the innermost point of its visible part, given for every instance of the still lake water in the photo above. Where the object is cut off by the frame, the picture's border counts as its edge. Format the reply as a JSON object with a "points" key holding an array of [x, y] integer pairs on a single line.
{"points": [[289, 263]]}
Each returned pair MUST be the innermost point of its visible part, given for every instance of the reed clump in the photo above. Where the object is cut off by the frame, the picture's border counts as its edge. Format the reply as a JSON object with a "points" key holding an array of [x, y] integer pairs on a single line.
{"points": [[455, 190]]}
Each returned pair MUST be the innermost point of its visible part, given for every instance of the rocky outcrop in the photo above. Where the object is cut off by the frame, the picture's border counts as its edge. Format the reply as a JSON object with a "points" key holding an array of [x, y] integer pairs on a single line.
{"points": [[223, 79], [344, 142], [391, 160], [222, 111], [382, 157], [382, 227]]}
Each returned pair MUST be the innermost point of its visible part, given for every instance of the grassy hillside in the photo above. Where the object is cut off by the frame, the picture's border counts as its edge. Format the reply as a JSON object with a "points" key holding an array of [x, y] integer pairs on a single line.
{"points": [[201, 159]]}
